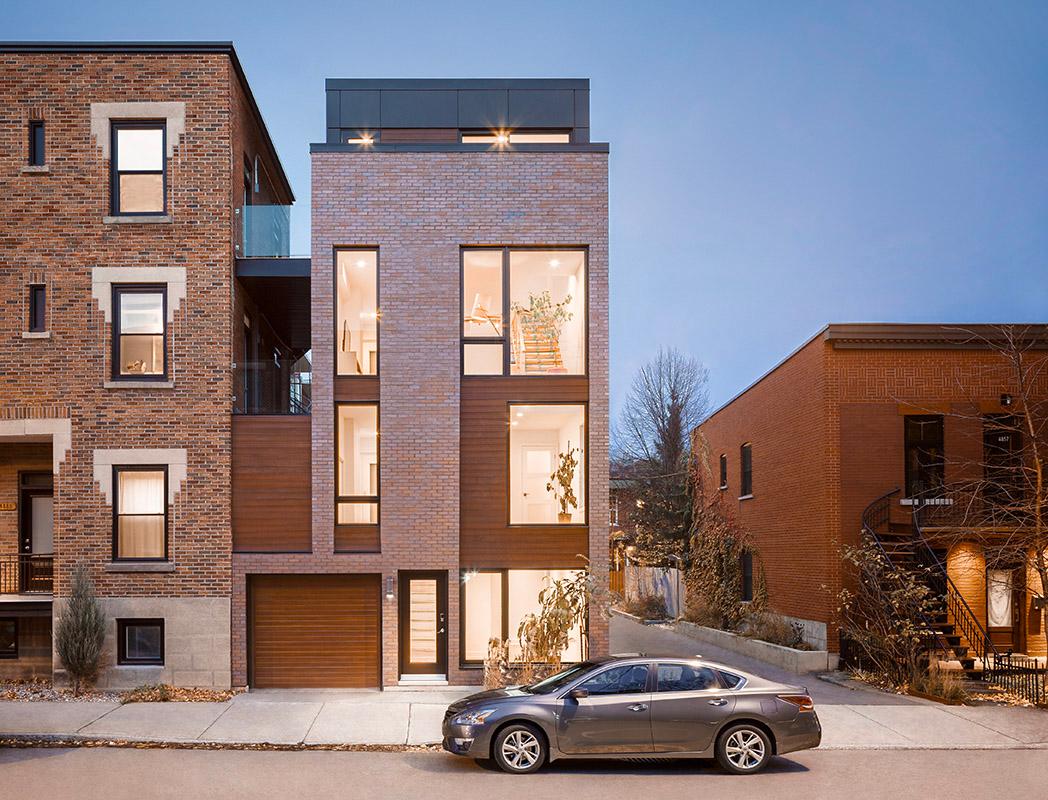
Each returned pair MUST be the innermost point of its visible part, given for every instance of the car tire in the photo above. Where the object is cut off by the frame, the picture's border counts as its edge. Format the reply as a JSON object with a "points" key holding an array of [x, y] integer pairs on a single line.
{"points": [[743, 749], [519, 749]]}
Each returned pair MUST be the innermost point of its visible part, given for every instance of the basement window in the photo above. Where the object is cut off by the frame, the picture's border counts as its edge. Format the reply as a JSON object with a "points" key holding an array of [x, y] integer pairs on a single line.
{"points": [[140, 642], [9, 638]]}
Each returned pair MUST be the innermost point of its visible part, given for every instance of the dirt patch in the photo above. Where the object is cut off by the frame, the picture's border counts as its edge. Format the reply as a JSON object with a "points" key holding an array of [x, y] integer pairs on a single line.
{"points": [[37, 690]]}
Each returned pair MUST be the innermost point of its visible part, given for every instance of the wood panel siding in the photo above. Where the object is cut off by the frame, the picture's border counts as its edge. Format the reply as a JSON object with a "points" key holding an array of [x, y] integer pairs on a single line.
{"points": [[394, 135], [315, 631], [272, 484], [486, 539], [357, 388], [357, 539]]}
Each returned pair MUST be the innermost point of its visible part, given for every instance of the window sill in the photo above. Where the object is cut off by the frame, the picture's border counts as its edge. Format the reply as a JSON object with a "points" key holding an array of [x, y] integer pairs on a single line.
{"points": [[746, 497], [140, 566], [138, 385], [42, 169], [36, 334], [722, 488], [131, 220]]}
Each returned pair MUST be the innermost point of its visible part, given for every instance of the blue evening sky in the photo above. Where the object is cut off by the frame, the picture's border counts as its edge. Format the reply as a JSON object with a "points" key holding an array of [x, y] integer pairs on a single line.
{"points": [[775, 166]]}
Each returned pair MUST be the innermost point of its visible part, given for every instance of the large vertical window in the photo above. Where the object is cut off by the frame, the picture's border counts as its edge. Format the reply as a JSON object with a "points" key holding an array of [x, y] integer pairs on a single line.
{"points": [[746, 470], [139, 167], [924, 456], [495, 602], [356, 318], [523, 312], [547, 464], [139, 318], [140, 513], [358, 450]]}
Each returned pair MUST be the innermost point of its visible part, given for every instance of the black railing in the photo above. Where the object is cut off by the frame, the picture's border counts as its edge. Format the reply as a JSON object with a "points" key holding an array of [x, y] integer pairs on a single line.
{"points": [[1018, 675], [27, 573], [959, 610]]}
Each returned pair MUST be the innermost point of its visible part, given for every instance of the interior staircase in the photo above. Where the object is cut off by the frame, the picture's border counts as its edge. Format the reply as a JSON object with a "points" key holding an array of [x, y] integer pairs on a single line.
{"points": [[955, 634], [536, 345]]}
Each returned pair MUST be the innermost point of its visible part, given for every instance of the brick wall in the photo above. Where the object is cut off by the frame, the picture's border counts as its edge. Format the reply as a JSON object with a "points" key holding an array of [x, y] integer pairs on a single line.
{"points": [[419, 208], [54, 231]]}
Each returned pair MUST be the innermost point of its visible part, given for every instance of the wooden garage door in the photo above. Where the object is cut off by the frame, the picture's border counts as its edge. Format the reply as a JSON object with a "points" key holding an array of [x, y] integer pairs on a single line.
{"points": [[315, 630]]}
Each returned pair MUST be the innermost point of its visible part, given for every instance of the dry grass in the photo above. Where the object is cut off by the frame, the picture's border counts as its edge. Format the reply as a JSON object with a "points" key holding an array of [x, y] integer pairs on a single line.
{"points": [[941, 684], [162, 693], [649, 606]]}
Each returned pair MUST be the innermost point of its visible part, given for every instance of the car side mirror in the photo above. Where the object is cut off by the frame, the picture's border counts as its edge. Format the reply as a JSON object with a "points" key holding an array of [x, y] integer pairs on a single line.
{"points": [[578, 694]]}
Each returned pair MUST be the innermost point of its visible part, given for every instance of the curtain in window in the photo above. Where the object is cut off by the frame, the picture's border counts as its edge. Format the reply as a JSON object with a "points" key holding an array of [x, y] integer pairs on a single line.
{"points": [[140, 527]]}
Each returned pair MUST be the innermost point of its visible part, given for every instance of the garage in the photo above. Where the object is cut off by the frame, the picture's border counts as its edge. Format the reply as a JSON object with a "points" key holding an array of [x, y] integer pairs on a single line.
{"points": [[314, 631]]}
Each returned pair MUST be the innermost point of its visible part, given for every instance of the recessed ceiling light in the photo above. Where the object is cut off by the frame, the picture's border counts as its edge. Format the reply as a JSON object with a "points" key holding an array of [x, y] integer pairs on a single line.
{"points": [[554, 262], [361, 263]]}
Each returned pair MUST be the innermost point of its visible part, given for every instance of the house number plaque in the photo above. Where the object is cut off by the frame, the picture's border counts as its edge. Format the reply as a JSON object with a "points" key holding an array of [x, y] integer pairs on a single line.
{"points": [[7, 506]]}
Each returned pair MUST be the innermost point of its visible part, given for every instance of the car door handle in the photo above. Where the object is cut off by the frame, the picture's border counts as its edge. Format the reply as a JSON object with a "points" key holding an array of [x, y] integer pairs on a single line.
{"points": [[639, 707], [720, 701]]}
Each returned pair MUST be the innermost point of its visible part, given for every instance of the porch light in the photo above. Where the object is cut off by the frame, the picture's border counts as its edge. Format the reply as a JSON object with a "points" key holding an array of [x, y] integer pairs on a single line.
{"points": [[389, 587], [468, 575], [1006, 400]]}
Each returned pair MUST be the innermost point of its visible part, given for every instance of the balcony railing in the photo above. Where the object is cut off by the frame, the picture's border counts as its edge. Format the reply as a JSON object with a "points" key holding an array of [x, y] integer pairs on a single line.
{"points": [[274, 387], [27, 573], [265, 232]]}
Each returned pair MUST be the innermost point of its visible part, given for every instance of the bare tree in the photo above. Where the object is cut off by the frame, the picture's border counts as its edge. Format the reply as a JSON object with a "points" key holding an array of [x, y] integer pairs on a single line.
{"points": [[996, 497], [666, 401]]}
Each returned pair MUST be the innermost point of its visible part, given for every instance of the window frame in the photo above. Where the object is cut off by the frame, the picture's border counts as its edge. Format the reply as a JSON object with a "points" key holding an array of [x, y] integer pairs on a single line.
{"points": [[121, 638], [504, 340], [37, 321], [117, 469], [504, 572], [119, 289], [908, 476], [584, 404], [37, 148], [745, 470], [723, 466], [115, 126], [10, 655], [358, 248], [359, 498]]}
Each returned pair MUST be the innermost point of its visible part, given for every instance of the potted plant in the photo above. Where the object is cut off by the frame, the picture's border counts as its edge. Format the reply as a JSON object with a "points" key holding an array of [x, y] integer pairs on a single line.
{"points": [[560, 483]]}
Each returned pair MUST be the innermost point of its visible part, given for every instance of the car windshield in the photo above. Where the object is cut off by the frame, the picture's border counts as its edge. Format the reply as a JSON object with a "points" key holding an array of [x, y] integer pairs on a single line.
{"points": [[560, 679]]}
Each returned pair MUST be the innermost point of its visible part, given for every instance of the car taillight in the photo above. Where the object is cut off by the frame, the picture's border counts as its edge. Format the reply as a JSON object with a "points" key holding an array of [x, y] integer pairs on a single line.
{"points": [[802, 701]]}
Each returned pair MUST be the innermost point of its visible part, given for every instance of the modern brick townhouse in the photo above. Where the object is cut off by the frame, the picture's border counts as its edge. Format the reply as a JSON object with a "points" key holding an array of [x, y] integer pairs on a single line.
{"points": [[853, 429], [202, 420]]}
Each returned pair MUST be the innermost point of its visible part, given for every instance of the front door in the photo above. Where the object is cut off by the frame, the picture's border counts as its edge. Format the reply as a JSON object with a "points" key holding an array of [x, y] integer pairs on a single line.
{"points": [[424, 624], [1003, 609], [36, 530], [688, 706], [615, 717]]}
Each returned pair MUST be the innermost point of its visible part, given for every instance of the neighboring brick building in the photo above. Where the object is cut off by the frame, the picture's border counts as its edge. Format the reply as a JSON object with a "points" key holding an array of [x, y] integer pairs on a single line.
{"points": [[857, 411], [122, 170]]}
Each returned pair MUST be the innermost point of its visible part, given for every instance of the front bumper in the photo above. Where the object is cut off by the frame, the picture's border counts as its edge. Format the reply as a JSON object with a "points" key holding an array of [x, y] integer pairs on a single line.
{"points": [[803, 733], [473, 741]]}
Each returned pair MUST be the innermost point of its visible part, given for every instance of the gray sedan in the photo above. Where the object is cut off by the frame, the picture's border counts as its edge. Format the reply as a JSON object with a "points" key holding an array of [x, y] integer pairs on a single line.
{"points": [[635, 707]]}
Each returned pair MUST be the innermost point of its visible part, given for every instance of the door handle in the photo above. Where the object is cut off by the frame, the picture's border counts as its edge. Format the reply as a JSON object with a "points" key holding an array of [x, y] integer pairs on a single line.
{"points": [[639, 707], [720, 701]]}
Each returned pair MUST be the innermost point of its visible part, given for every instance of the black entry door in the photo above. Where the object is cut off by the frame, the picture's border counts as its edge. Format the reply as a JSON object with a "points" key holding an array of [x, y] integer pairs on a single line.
{"points": [[35, 531], [424, 623]]}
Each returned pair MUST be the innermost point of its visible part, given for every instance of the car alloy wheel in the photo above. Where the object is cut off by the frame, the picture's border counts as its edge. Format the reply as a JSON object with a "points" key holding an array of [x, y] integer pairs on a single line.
{"points": [[743, 749], [519, 749]]}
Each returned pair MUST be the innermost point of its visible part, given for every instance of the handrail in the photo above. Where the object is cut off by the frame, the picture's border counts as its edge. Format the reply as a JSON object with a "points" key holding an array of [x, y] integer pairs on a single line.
{"points": [[962, 612], [27, 573]]}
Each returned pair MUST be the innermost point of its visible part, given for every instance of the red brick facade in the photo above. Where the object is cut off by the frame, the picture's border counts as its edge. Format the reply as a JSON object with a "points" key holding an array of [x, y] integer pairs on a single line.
{"points": [[56, 229], [826, 431]]}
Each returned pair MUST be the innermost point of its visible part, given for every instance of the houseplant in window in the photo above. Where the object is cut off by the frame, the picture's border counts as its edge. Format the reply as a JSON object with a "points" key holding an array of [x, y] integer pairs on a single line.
{"points": [[561, 483], [537, 329]]}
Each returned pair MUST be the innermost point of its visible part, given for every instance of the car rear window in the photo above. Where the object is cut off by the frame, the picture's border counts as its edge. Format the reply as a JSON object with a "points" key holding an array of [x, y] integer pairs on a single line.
{"points": [[686, 678], [730, 680]]}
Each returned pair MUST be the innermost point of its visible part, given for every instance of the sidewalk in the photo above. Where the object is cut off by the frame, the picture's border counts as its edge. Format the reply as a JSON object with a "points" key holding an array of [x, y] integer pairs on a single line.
{"points": [[293, 717], [852, 718]]}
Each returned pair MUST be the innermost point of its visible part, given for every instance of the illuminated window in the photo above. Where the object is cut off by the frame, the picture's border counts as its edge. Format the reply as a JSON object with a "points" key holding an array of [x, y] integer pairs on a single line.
{"points": [[547, 464], [139, 168], [495, 602], [524, 307], [356, 334], [139, 320], [140, 513], [357, 455], [513, 137]]}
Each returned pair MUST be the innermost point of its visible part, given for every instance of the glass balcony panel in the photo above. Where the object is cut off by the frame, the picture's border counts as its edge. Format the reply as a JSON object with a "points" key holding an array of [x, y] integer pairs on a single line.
{"points": [[265, 232]]}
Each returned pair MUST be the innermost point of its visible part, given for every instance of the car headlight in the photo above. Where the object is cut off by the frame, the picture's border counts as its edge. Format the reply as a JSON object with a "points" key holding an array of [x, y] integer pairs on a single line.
{"points": [[473, 717]]}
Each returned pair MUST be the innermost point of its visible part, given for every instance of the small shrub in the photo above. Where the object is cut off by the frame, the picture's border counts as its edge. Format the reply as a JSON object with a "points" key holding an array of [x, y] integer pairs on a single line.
{"points": [[705, 616], [774, 629], [939, 683], [81, 631], [647, 606]]}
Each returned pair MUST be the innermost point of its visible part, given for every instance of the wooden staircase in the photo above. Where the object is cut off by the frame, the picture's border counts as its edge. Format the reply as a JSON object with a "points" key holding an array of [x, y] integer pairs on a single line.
{"points": [[536, 346]]}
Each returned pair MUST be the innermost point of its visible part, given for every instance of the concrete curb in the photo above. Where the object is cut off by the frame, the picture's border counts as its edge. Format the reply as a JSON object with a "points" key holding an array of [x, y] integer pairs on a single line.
{"points": [[76, 740]]}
